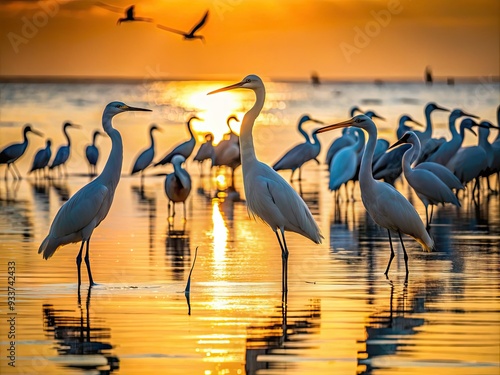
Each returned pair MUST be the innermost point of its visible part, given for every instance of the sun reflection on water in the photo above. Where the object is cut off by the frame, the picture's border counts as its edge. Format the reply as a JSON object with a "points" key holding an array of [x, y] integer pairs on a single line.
{"points": [[219, 234]]}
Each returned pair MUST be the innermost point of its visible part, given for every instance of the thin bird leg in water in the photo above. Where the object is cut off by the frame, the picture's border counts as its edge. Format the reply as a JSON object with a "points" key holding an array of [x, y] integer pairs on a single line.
{"points": [[87, 262], [17, 172], [284, 262], [184, 207], [432, 213], [392, 254], [404, 251], [78, 263]]}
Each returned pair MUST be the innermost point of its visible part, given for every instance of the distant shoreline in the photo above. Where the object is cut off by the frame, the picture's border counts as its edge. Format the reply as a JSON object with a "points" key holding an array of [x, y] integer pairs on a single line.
{"points": [[131, 80]]}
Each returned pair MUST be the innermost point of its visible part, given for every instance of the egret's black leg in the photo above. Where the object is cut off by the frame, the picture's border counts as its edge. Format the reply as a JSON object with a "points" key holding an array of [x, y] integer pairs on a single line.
{"points": [[284, 262], [19, 177], [404, 251], [392, 254], [78, 263], [184, 207], [87, 262], [432, 214]]}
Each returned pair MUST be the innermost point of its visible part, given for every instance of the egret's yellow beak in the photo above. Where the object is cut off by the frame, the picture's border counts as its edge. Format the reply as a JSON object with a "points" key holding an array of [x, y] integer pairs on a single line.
{"points": [[230, 87]]}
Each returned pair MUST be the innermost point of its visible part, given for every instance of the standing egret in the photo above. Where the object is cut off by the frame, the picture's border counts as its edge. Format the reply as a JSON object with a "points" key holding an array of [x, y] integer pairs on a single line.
{"points": [[428, 187], [83, 212], [41, 159], [300, 154], [426, 135], [346, 139], [177, 185], [145, 157], [11, 153], [227, 151], [191, 34], [92, 154], [386, 206], [268, 195], [446, 151], [185, 149], [63, 152], [205, 152]]}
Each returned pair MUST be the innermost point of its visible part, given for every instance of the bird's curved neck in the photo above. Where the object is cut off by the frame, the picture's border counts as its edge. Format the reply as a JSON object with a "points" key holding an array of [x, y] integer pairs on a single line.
{"points": [[416, 147], [360, 141], [408, 157], [94, 138], [316, 140], [112, 169], [365, 172], [303, 132], [483, 138], [428, 122], [190, 130], [246, 138], [25, 137], [453, 128], [65, 130], [152, 139]]}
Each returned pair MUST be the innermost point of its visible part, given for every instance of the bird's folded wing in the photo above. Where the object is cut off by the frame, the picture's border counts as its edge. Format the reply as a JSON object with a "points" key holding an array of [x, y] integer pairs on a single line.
{"points": [[79, 211]]}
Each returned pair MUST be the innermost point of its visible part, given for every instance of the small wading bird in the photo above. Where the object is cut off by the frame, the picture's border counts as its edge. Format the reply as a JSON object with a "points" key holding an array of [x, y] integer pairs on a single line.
{"points": [[191, 34], [83, 212], [145, 157], [386, 206], [41, 159], [206, 152], [301, 153], [185, 148], [92, 154], [63, 152], [268, 195], [177, 185], [11, 153], [428, 187], [129, 13]]}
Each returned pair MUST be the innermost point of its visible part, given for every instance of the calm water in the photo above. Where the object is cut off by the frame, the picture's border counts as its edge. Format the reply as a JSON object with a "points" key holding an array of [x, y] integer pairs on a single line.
{"points": [[343, 316]]}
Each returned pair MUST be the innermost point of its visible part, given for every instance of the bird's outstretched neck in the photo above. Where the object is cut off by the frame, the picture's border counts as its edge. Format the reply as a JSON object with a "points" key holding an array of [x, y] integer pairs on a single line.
{"points": [[366, 173], [113, 167], [246, 137]]}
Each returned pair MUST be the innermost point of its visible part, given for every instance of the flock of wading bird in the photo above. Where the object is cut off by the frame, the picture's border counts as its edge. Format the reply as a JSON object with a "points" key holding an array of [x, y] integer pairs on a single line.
{"points": [[435, 168]]}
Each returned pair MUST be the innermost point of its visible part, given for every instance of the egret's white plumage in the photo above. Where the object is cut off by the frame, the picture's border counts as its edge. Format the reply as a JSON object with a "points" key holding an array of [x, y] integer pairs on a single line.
{"points": [[429, 188], [146, 157], [386, 206], [62, 154], [177, 184], [10, 154], [185, 148], [300, 154], [42, 158], [83, 212], [92, 154], [268, 195]]}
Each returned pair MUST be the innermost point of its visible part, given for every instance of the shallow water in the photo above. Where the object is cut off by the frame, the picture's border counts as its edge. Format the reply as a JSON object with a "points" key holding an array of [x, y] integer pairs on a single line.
{"points": [[342, 315]]}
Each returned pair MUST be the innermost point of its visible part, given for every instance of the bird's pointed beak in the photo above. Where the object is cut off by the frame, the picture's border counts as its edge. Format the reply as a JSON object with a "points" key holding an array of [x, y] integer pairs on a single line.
{"points": [[129, 108], [343, 124], [469, 115], [439, 108], [416, 122], [397, 143], [317, 121], [379, 117], [40, 134], [230, 87]]}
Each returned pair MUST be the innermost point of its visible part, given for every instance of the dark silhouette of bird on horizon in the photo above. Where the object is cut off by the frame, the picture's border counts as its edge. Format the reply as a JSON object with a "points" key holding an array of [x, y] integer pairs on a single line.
{"points": [[129, 13]]}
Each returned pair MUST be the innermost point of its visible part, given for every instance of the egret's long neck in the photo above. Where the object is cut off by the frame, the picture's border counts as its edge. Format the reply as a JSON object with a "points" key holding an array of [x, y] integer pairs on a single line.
{"points": [[113, 167], [453, 128], [408, 158], [152, 139], [365, 171], [246, 138], [25, 140], [416, 151], [67, 135], [189, 129], [316, 140], [428, 121], [303, 132]]}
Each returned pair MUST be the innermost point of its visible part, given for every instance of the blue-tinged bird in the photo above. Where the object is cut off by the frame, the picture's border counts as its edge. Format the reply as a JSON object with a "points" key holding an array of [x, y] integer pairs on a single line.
{"points": [[10, 154], [41, 159], [63, 152], [92, 154], [146, 157]]}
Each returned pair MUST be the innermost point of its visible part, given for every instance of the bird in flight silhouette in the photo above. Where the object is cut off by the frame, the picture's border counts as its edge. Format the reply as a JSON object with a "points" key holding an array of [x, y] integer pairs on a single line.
{"points": [[191, 34], [129, 13]]}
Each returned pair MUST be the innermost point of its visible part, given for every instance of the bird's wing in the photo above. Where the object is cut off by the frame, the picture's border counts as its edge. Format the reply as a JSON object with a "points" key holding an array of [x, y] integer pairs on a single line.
{"points": [[293, 158], [200, 24], [109, 7], [130, 12], [430, 186], [171, 30], [80, 210]]}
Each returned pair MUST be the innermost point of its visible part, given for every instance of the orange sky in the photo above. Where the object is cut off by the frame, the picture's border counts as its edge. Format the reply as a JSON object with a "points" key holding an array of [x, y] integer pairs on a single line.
{"points": [[278, 39]]}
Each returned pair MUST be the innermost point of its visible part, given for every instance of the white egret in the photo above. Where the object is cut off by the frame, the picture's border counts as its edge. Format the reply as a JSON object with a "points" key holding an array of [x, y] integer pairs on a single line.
{"points": [[185, 148], [145, 157], [63, 152], [428, 187], [192, 33], [346, 139], [41, 159], [205, 152], [345, 163], [446, 151], [177, 185], [426, 135], [268, 195], [492, 151], [83, 212], [300, 154], [92, 154], [227, 151], [386, 206], [10, 154]]}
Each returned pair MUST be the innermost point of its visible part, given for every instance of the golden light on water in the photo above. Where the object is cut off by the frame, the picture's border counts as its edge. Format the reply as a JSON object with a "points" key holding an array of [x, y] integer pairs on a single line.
{"points": [[219, 234]]}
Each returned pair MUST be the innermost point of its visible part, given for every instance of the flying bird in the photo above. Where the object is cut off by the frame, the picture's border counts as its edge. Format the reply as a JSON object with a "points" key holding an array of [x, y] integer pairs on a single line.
{"points": [[129, 13], [11, 153], [386, 206], [83, 212], [268, 195], [191, 34]]}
